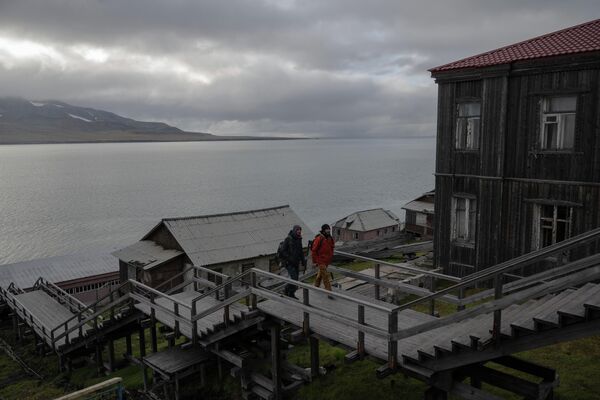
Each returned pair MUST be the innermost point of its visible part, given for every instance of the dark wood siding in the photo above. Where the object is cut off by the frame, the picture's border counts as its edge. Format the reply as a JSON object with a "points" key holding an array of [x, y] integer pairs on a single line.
{"points": [[509, 172]]}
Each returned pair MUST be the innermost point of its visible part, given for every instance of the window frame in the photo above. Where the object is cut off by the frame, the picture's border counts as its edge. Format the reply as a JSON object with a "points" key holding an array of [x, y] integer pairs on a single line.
{"points": [[470, 223], [561, 123], [461, 136], [539, 220]]}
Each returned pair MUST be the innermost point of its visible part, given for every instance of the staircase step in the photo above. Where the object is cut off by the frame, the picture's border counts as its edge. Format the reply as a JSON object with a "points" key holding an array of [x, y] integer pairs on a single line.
{"points": [[525, 323], [576, 310], [549, 317]]}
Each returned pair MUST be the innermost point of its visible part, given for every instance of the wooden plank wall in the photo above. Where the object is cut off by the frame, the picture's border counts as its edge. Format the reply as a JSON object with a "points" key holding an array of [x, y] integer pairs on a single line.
{"points": [[508, 149]]}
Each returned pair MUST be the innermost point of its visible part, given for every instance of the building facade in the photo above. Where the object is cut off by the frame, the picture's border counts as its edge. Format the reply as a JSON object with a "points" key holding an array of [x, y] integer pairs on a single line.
{"points": [[518, 149], [366, 225], [419, 218]]}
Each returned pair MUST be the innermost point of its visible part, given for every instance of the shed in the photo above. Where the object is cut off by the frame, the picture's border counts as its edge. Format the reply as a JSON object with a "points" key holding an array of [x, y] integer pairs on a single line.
{"points": [[228, 243], [420, 215]]}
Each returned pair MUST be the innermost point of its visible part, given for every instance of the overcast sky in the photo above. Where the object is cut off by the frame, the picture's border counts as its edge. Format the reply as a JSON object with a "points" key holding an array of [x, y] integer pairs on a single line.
{"points": [[260, 67]]}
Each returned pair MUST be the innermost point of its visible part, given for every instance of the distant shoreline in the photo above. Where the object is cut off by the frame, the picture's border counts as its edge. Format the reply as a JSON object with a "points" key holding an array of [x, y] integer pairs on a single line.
{"points": [[225, 139]]}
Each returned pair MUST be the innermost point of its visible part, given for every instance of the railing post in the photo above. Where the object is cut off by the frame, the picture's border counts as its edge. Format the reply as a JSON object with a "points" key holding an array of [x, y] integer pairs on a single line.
{"points": [[226, 292], [461, 295], [67, 333], [79, 323], [112, 308], [496, 329], [392, 343], [253, 285], [176, 309], [194, 324], [432, 287], [360, 348], [306, 319], [377, 276], [153, 338]]}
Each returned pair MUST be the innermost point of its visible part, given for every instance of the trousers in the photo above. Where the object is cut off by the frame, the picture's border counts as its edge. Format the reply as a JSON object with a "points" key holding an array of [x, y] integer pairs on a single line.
{"points": [[323, 276]]}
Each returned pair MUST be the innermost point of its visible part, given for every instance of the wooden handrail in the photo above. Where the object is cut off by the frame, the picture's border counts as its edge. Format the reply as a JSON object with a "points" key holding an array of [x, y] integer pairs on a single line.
{"points": [[400, 266], [509, 265]]}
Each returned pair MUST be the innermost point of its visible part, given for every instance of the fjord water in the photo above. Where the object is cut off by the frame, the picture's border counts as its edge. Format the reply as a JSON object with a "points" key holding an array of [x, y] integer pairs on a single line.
{"points": [[68, 198]]}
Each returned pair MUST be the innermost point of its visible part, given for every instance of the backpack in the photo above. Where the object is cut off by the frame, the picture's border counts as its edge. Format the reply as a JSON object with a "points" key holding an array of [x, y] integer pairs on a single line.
{"points": [[316, 249], [281, 251]]}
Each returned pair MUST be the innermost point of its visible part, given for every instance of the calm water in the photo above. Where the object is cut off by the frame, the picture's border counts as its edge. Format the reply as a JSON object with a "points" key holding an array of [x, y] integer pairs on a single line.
{"points": [[60, 199]]}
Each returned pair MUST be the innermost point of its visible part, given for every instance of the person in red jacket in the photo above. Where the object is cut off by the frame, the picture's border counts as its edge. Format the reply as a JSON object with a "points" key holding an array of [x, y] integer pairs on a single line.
{"points": [[322, 254]]}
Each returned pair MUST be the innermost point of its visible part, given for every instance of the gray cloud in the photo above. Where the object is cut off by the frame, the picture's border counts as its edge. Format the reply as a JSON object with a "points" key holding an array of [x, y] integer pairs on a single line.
{"points": [[322, 68]]}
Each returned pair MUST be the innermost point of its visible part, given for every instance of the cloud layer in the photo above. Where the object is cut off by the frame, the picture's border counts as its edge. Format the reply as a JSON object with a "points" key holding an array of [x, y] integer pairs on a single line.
{"points": [[308, 68]]}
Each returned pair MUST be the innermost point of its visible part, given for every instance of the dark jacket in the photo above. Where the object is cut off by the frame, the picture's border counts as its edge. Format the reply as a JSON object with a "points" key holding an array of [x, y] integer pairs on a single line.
{"points": [[294, 253], [322, 249]]}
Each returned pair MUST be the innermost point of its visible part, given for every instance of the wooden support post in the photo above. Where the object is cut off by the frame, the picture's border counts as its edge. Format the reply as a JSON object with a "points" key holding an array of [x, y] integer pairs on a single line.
{"points": [[194, 325], [314, 357], [128, 349], [360, 347], [392, 344], [202, 376], [496, 329], [377, 276], [99, 364], [176, 388], [253, 285], [226, 291], [111, 355], [432, 286], [142, 337], [276, 361], [153, 338], [461, 295], [61, 363], [306, 319], [176, 309]]}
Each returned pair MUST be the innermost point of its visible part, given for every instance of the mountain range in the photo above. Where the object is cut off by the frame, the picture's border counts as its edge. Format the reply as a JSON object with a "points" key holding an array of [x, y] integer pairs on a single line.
{"points": [[23, 121]]}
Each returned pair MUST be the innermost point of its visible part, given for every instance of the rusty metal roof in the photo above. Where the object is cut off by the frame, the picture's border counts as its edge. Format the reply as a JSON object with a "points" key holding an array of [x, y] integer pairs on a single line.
{"points": [[57, 269], [576, 39]]}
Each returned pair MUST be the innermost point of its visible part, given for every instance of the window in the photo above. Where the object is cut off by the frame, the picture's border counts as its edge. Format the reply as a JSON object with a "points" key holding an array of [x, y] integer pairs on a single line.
{"points": [[467, 126], [378, 232], [355, 235], [552, 223], [464, 217], [558, 123]]}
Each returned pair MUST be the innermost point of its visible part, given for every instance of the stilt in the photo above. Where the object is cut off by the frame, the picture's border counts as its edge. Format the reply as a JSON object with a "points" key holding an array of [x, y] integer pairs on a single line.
{"points": [[99, 364], [176, 388], [111, 356], [434, 393], [153, 336], [128, 345], [61, 363], [276, 361], [314, 357], [142, 337], [202, 376]]}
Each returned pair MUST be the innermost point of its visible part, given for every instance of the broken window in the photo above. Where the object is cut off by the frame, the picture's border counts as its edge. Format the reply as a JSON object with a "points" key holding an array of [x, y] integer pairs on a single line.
{"points": [[467, 126], [558, 123], [553, 223], [464, 219]]}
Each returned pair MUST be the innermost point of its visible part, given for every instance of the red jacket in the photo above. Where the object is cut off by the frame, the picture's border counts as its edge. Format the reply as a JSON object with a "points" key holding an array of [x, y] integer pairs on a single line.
{"points": [[322, 249]]}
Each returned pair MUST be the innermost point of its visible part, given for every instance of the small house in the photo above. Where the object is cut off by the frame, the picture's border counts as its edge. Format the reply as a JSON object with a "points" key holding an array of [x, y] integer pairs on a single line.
{"points": [[366, 225], [226, 243], [419, 216]]}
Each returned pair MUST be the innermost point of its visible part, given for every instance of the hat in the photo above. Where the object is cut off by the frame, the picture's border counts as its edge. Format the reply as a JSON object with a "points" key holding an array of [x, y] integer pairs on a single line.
{"points": [[324, 227]]}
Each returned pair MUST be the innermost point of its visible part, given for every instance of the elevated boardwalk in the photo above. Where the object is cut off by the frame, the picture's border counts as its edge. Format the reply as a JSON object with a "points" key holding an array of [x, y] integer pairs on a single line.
{"points": [[517, 314]]}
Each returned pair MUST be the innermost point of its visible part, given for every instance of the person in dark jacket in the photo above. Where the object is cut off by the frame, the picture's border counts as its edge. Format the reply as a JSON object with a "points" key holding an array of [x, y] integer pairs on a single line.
{"points": [[322, 254], [293, 257]]}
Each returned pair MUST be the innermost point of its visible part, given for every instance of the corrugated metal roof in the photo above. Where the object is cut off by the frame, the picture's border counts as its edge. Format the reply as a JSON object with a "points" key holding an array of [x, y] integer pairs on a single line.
{"points": [[420, 206], [146, 254], [221, 238], [368, 220], [576, 39], [57, 269]]}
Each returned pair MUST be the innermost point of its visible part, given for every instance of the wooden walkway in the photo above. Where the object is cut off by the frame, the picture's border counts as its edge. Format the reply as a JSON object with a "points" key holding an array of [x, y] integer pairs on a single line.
{"points": [[205, 326], [43, 313]]}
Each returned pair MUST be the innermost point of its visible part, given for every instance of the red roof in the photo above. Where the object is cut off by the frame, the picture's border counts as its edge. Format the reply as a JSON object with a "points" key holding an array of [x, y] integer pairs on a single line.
{"points": [[576, 39]]}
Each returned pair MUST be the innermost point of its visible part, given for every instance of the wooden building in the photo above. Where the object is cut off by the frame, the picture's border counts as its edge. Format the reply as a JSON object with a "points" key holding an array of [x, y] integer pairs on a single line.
{"points": [[366, 225], [87, 276], [518, 148], [419, 216], [226, 243]]}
